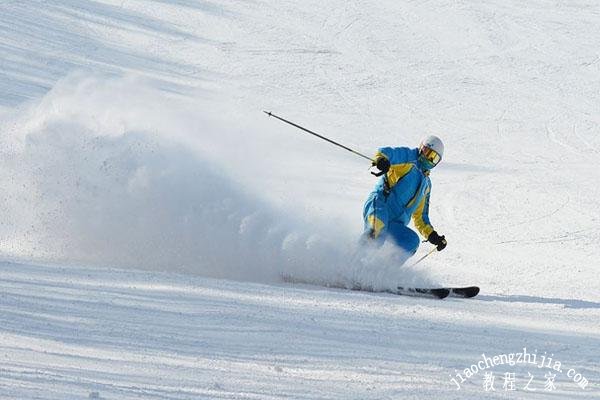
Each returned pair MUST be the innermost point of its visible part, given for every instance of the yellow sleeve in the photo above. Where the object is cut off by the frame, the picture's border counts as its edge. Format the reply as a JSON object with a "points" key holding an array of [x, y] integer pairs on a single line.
{"points": [[421, 219]]}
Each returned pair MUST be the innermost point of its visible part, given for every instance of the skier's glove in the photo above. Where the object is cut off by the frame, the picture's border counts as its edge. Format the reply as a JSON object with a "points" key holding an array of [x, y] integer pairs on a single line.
{"points": [[382, 164], [437, 240]]}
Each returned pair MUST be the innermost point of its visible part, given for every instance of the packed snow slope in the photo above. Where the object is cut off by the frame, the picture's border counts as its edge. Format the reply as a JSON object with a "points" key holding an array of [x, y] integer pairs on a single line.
{"points": [[132, 137], [67, 333]]}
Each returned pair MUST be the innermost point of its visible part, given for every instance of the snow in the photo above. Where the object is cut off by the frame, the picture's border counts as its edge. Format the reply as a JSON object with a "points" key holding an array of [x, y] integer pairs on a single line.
{"points": [[149, 207], [129, 335]]}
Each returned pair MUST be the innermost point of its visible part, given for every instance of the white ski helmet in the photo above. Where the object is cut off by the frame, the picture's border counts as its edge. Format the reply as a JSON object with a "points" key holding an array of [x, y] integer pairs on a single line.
{"points": [[431, 151]]}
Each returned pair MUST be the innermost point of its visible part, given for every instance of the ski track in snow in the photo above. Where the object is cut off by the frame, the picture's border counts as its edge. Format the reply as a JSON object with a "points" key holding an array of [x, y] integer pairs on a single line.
{"points": [[132, 137]]}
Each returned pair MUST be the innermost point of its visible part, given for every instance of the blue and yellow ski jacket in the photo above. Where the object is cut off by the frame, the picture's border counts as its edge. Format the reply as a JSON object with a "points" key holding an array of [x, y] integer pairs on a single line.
{"points": [[408, 188]]}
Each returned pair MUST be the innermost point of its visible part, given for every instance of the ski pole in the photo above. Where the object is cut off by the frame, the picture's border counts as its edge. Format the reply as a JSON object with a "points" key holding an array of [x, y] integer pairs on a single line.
{"points": [[270, 114], [424, 257]]}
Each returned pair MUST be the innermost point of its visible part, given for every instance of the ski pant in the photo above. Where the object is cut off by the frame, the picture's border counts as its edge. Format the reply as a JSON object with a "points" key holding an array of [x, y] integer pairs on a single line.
{"points": [[379, 226]]}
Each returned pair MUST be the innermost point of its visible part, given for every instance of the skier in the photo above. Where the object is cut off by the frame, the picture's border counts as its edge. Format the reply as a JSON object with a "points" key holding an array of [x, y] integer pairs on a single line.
{"points": [[403, 191]]}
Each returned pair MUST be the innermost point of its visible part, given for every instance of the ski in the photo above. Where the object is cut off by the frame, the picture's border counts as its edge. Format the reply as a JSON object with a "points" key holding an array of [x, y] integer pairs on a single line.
{"points": [[464, 292], [437, 293], [433, 293]]}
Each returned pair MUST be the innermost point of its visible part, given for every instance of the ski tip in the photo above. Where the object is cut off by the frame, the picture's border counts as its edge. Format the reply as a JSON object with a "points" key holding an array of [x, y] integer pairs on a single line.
{"points": [[268, 113], [466, 292]]}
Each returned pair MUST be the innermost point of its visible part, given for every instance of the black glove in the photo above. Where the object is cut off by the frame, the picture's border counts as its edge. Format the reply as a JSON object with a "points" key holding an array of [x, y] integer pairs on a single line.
{"points": [[437, 240], [382, 164]]}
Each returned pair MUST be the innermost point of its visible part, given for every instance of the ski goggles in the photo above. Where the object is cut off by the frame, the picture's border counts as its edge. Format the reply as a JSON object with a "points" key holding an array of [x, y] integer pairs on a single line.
{"points": [[430, 155]]}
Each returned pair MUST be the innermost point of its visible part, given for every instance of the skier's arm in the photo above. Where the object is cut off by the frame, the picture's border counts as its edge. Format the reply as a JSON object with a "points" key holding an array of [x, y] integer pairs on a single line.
{"points": [[397, 160], [395, 155], [421, 220], [421, 217]]}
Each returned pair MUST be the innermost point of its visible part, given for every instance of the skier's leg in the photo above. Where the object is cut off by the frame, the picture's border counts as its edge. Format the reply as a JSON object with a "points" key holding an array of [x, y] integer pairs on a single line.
{"points": [[376, 216], [405, 238]]}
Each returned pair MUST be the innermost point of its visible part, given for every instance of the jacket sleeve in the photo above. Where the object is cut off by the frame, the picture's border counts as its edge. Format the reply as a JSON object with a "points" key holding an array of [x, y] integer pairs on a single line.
{"points": [[396, 155], [421, 216], [401, 161]]}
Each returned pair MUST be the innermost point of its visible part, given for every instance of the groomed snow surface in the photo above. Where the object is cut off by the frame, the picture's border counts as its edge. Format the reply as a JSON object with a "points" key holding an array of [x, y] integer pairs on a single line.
{"points": [[149, 209]]}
